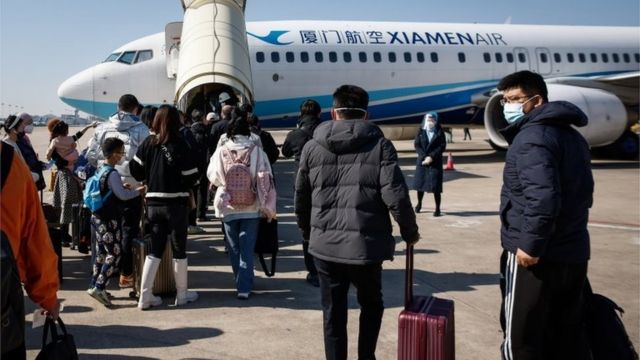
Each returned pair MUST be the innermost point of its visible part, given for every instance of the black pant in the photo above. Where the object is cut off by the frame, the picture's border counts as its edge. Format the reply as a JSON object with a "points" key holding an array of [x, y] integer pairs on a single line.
{"points": [[308, 259], [19, 353], [542, 310], [335, 280], [166, 222], [202, 196], [131, 215]]}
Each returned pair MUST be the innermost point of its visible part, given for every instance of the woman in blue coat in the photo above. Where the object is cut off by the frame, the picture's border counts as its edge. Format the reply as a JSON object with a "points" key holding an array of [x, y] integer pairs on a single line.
{"points": [[430, 144]]}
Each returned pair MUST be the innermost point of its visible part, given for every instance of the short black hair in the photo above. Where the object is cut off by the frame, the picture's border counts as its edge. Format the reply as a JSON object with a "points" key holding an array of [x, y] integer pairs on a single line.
{"points": [[530, 83], [111, 145], [246, 107], [351, 96], [147, 114], [310, 107], [238, 124], [128, 103]]}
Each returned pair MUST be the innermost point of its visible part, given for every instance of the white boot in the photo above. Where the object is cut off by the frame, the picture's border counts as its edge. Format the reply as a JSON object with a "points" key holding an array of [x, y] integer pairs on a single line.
{"points": [[147, 299], [183, 296]]}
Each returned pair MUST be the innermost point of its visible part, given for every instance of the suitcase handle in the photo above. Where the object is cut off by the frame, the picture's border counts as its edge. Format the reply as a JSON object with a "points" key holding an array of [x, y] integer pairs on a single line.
{"points": [[408, 278]]}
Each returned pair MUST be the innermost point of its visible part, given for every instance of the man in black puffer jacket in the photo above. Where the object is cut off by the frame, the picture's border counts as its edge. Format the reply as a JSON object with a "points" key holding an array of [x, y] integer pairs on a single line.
{"points": [[347, 184], [544, 209]]}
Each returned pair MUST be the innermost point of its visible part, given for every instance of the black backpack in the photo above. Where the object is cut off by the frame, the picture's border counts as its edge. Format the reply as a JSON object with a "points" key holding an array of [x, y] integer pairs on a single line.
{"points": [[607, 336], [12, 331]]}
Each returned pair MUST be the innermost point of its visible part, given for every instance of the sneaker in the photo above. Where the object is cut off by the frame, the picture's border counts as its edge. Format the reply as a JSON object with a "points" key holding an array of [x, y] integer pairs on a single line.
{"points": [[313, 280], [100, 295], [126, 281], [194, 229], [243, 295]]}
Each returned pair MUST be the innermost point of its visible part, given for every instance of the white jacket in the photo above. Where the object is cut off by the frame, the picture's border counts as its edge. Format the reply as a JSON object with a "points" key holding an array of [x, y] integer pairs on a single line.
{"points": [[259, 166], [126, 127]]}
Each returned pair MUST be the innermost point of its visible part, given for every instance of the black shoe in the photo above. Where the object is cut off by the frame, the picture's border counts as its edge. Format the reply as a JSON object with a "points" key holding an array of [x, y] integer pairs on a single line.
{"points": [[418, 208], [437, 213], [313, 280], [66, 243]]}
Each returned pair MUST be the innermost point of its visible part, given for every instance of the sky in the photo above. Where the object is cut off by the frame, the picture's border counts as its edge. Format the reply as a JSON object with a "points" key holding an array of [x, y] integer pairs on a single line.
{"points": [[42, 43]]}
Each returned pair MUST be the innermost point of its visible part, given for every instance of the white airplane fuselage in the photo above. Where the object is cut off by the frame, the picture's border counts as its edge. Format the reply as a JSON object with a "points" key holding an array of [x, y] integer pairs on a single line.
{"points": [[407, 68]]}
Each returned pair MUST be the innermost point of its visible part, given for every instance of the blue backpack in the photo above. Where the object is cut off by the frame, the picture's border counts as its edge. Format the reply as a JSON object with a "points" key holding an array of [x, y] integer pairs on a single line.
{"points": [[93, 195]]}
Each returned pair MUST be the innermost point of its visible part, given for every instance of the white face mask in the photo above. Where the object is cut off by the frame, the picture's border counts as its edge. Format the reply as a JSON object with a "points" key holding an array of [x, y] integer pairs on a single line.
{"points": [[430, 125]]}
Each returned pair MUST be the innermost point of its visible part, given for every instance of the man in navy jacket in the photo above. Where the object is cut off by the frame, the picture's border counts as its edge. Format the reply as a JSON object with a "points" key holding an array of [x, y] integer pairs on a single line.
{"points": [[544, 208]]}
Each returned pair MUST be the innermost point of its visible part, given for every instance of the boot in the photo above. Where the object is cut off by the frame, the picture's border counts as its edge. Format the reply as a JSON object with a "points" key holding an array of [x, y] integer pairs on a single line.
{"points": [[147, 299], [183, 296], [418, 207]]}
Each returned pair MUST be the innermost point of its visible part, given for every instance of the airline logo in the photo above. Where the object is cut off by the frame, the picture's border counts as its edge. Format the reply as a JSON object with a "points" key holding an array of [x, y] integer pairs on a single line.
{"points": [[338, 37]]}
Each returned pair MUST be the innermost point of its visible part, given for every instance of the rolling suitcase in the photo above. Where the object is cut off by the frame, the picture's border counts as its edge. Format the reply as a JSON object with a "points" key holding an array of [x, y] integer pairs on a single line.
{"points": [[426, 325], [164, 283]]}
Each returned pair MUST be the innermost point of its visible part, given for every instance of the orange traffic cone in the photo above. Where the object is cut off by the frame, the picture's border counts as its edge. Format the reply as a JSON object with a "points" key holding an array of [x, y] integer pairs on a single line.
{"points": [[450, 163]]}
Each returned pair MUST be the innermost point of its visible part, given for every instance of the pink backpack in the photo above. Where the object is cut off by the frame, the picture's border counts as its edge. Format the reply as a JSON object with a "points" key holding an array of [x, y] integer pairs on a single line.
{"points": [[239, 184]]}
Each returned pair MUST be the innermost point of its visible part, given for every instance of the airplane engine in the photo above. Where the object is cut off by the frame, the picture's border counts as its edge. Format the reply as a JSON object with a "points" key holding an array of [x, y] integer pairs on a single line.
{"points": [[606, 113], [213, 52]]}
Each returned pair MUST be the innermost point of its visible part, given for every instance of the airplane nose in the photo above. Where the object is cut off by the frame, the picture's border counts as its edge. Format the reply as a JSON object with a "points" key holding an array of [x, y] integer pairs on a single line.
{"points": [[77, 91]]}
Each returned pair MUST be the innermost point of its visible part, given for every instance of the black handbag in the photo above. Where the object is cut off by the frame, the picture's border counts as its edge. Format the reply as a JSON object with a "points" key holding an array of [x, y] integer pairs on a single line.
{"points": [[61, 347], [267, 243]]}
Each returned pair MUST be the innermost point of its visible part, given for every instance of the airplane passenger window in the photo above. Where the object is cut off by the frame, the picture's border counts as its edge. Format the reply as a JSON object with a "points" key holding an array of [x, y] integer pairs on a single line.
{"points": [[377, 57], [637, 57], [260, 57], [434, 57], [522, 57], [509, 57], [407, 57], [144, 55], [333, 56], [498, 57], [289, 56], [605, 58], [420, 56], [461, 57], [487, 57], [582, 57], [346, 56], [112, 57], [570, 58], [594, 58], [543, 58], [304, 57], [626, 58], [127, 57], [392, 57], [616, 58], [319, 56], [362, 56], [557, 58], [275, 56]]}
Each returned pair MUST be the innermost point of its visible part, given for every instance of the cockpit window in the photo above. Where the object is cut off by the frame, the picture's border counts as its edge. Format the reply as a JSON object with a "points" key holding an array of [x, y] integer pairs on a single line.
{"points": [[112, 57], [144, 55], [127, 57]]}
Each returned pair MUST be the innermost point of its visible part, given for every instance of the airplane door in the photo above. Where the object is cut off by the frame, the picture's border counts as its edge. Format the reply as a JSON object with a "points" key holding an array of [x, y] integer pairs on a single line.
{"points": [[522, 59], [543, 58]]}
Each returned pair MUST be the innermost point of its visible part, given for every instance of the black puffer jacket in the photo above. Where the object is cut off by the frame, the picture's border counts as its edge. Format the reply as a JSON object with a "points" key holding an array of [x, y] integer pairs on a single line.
{"points": [[348, 183], [547, 185], [297, 138]]}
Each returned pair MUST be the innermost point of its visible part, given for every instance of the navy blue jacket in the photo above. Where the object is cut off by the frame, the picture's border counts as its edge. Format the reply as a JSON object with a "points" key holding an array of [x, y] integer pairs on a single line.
{"points": [[429, 178], [547, 185]]}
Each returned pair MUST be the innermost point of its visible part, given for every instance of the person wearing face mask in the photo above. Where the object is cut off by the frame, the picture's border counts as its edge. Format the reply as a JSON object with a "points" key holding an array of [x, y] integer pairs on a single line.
{"points": [[14, 128], [544, 208], [28, 153], [430, 144], [106, 223]]}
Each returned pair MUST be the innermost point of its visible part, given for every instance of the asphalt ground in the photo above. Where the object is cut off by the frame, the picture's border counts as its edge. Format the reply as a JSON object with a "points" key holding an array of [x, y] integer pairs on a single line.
{"points": [[457, 258]]}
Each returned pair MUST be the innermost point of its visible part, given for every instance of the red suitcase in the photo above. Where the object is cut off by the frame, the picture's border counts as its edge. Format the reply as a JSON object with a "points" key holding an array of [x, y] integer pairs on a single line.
{"points": [[425, 326]]}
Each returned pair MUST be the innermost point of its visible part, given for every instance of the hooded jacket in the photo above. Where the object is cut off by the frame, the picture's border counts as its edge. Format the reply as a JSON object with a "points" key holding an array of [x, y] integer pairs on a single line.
{"points": [[547, 185], [348, 182], [297, 138], [126, 127]]}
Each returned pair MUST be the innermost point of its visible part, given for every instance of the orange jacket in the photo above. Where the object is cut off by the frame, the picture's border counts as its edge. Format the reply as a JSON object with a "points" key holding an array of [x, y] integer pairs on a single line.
{"points": [[22, 220]]}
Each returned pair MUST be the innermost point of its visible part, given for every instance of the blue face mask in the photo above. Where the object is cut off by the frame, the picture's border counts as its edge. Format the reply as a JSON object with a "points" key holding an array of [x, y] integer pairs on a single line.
{"points": [[513, 112]]}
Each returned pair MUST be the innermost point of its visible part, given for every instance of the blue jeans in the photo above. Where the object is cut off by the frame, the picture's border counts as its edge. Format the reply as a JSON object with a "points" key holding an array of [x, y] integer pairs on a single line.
{"points": [[241, 236]]}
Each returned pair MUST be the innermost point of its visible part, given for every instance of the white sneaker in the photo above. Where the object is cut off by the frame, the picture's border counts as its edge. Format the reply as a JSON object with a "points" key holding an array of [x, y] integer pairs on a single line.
{"points": [[243, 296]]}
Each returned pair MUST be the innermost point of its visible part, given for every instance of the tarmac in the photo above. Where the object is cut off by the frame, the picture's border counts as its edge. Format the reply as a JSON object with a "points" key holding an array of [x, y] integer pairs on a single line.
{"points": [[457, 258]]}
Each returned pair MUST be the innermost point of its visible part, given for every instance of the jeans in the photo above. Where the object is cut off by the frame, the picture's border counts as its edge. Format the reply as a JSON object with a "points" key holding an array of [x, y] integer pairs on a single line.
{"points": [[166, 222], [335, 279], [131, 215], [241, 237]]}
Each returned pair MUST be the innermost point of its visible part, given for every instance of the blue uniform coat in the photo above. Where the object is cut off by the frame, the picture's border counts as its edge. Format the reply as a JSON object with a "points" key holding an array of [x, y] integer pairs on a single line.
{"points": [[429, 178]]}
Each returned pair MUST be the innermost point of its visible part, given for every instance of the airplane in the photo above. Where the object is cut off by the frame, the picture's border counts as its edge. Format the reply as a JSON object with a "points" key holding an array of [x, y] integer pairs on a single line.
{"points": [[407, 68]]}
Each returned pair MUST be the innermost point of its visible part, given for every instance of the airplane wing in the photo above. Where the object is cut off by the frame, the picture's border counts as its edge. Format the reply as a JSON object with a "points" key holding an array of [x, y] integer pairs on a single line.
{"points": [[624, 86]]}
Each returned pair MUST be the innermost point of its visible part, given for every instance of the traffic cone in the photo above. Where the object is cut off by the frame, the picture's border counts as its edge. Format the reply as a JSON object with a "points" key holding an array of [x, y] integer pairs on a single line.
{"points": [[450, 163]]}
